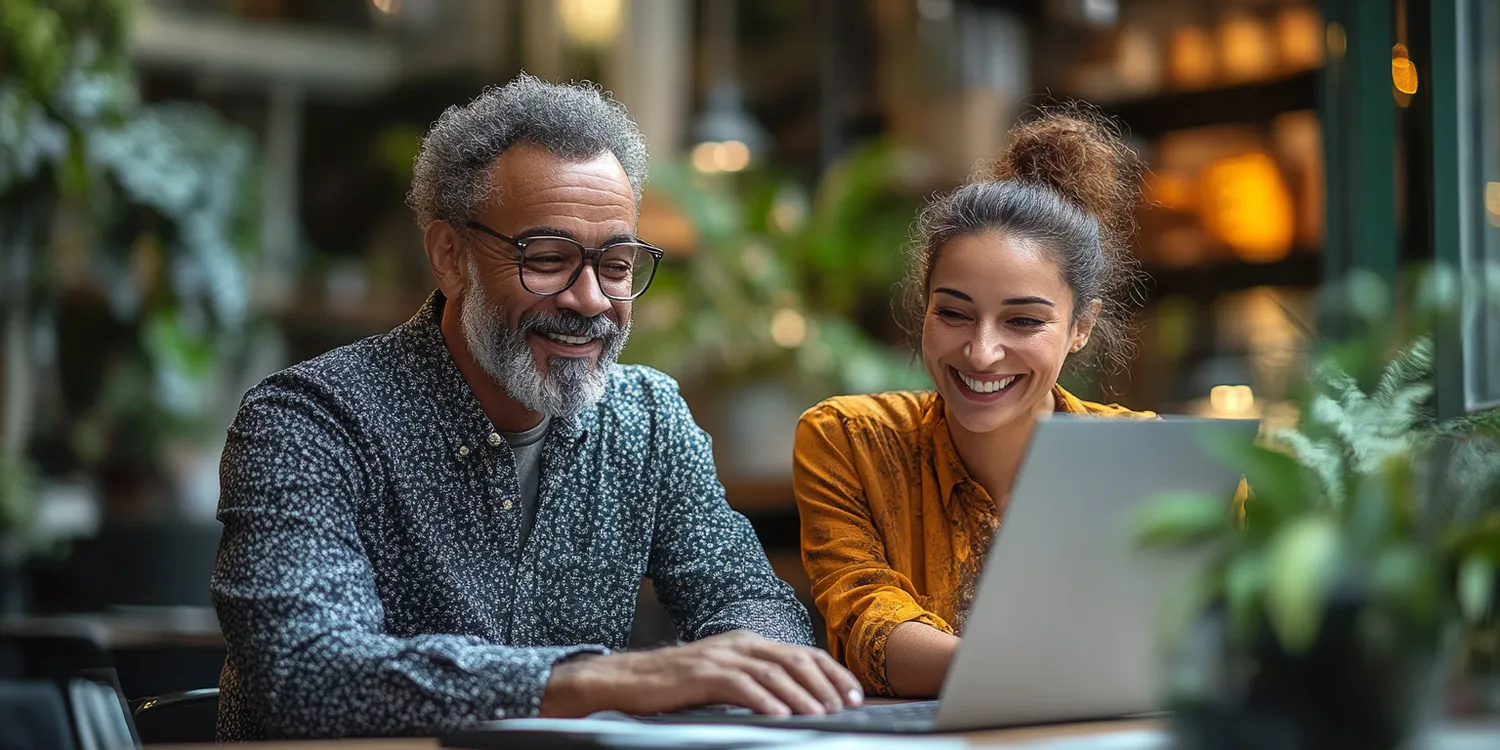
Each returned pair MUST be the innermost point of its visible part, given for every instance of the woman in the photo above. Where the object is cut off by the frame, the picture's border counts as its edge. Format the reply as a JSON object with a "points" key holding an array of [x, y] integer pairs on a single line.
{"points": [[1014, 275]]}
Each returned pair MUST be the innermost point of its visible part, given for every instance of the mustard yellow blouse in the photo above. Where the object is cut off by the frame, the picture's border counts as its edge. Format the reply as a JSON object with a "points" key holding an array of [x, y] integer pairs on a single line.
{"points": [[893, 528]]}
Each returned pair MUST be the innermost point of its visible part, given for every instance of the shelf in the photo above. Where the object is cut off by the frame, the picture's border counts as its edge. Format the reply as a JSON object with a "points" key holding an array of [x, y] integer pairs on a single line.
{"points": [[1303, 268], [1258, 102]]}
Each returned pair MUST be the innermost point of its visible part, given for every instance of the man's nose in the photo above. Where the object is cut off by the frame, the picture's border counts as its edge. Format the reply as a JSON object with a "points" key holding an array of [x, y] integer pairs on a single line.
{"points": [[585, 296]]}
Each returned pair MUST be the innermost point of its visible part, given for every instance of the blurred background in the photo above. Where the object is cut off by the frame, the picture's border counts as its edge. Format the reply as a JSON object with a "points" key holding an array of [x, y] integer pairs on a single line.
{"points": [[196, 193]]}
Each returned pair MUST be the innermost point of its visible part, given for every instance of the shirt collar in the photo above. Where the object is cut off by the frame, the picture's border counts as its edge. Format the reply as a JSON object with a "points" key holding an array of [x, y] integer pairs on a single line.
{"points": [[465, 427], [951, 473]]}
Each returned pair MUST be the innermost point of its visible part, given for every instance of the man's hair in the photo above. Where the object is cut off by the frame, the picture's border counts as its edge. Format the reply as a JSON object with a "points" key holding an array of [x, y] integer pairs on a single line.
{"points": [[451, 174]]}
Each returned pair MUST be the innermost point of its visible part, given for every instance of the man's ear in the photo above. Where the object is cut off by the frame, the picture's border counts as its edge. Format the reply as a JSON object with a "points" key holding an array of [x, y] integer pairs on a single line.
{"points": [[446, 258], [1085, 326]]}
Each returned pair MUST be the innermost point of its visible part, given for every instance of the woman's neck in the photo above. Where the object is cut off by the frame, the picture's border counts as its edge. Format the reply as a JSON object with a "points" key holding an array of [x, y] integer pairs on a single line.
{"points": [[993, 459]]}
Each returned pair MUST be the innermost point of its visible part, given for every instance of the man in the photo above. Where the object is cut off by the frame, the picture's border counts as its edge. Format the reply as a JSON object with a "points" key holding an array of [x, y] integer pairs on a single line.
{"points": [[449, 523]]}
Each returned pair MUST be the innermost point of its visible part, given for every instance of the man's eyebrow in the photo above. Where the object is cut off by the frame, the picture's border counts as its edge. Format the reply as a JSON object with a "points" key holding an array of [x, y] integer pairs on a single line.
{"points": [[544, 232], [616, 239]]}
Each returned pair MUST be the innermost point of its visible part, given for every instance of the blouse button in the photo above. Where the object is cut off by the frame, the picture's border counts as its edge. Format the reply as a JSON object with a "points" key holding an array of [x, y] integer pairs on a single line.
{"points": [[508, 505], [494, 440]]}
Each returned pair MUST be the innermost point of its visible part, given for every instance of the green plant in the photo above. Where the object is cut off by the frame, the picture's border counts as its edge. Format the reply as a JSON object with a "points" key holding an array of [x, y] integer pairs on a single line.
{"points": [[1339, 498], [1371, 516], [784, 282], [16, 488], [153, 205]]}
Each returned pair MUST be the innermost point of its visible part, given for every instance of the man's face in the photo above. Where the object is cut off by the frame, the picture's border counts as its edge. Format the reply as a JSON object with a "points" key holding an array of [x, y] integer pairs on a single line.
{"points": [[552, 353]]}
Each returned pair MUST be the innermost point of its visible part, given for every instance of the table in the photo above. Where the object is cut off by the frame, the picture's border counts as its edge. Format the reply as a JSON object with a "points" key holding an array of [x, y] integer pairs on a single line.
{"points": [[998, 738], [140, 627]]}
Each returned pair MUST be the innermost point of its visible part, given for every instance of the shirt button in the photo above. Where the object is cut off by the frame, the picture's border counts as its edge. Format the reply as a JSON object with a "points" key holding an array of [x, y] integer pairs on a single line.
{"points": [[508, 505], [494, 440], [463, 450]]}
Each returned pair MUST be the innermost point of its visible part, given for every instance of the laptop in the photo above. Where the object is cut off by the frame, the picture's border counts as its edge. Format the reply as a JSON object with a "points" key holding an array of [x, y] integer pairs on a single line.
{"points": [[1065, 623]]}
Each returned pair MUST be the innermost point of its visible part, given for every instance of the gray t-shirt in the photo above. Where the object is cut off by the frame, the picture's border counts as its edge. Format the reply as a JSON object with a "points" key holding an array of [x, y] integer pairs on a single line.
{"points": [[528, 449]]}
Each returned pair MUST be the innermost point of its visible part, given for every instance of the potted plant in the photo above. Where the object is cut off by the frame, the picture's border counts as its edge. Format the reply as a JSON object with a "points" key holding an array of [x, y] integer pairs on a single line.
{"points": [[1327, 610], [787, 299], [149, 207]]}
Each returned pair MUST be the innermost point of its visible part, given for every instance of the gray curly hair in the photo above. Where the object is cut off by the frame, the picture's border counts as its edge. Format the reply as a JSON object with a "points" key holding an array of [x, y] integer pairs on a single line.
{"points": [[451, 174]]}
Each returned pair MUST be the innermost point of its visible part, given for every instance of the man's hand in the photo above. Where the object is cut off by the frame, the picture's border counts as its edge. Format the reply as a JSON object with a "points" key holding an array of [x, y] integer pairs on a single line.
{"points": [[739, 668]]}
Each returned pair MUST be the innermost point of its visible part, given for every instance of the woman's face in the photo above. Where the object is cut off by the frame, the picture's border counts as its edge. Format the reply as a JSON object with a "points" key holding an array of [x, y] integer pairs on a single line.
{"points": [[998, 327]]}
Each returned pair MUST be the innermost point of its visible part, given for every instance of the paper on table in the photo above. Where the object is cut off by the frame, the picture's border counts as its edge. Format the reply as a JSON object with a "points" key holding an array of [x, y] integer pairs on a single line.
{"points": [[836, 741], [1129, 739]]}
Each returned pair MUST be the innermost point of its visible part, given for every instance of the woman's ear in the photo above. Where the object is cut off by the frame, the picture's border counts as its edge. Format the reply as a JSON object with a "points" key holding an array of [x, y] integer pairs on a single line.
{"points": [[1085, 326]]}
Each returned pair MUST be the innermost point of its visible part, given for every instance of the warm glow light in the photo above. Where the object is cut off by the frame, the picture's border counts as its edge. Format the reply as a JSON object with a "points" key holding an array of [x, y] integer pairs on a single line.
{"points": [[733, 156], [1170, 189], [1299, 37], [712, 157], [706, 157], [1232, 400], [1245, 204], [1244, 47], [1190, 58], [1492, 202], [1403, 70], [788, 328], [591, 23], [386, 6]]}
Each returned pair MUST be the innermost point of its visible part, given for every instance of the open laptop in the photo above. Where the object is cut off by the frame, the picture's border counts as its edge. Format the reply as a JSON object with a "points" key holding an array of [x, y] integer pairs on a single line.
{"points": [[1065, 623]]}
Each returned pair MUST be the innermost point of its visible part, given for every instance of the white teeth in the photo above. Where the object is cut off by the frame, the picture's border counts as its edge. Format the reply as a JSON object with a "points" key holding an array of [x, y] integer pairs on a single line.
{"points": [[986, 386], [575, 340]]}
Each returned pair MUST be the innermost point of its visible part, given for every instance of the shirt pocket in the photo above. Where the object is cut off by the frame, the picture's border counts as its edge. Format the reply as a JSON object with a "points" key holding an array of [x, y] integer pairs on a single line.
{"points": [[596, 600]]}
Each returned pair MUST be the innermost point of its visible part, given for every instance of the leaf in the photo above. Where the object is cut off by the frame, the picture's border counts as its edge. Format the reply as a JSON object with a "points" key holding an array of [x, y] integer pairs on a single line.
{"points": [[1180, 519], [1305, 559], [1185, 604], [1404, 577], [1476, 587], [1244, 584], [1367, 514], [1275, 478], [1322, 458]]}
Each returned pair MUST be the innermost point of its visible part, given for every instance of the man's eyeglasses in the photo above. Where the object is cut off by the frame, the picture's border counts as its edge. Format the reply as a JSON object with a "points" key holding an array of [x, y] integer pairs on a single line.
{"points": [[549, 265]]}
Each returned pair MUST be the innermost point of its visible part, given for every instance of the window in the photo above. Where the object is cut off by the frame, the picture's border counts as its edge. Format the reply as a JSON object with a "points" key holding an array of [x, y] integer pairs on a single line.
{"points": [[1480, 251], [1466, 192]]}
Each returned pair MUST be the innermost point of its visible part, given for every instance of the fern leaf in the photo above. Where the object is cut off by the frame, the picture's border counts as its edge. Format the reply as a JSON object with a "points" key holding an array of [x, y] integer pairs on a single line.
{"points": [[1322, 459], [1410, 367]]}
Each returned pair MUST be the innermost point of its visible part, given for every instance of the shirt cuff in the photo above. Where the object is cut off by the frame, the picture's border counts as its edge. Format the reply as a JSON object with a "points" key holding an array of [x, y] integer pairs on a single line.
{"points": [[525, 694], [866, 656]]}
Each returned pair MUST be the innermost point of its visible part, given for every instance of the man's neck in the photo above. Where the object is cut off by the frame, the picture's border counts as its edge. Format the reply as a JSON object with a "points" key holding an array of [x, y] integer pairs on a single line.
{"points": [[993, 459], [505, 413]]}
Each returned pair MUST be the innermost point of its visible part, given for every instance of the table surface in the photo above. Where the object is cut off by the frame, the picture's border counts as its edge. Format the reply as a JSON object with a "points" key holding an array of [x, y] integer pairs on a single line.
{"points": [[997, 738], [139, 627]]}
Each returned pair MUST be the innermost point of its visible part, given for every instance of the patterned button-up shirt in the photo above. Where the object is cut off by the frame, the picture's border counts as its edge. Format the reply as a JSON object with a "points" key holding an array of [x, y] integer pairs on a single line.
{"points": [[370, 581]]}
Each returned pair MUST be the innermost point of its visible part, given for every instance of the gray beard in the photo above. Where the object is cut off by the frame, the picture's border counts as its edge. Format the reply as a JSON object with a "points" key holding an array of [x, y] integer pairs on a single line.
{"points": [[570, 385]]}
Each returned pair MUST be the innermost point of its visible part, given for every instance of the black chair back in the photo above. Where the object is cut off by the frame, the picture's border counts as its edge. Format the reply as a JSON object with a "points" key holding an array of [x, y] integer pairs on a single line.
{"points": [[34, 716], [78, 670]]}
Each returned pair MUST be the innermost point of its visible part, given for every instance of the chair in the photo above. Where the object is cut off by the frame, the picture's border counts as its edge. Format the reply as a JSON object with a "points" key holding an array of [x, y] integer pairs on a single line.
{"points": [[187, 716], [34, 716], [80, 675]]}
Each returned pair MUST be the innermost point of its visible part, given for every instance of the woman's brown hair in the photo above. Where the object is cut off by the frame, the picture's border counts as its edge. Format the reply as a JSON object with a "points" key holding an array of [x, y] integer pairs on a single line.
{"points": [[1069, 183]]}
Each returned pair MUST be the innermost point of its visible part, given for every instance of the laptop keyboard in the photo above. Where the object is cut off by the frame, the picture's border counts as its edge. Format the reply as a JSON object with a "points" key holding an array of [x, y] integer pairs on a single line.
{"points": [[894, 718]]}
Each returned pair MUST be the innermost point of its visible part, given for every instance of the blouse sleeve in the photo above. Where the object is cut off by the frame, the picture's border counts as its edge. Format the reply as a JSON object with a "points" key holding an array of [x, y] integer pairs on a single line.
{"points": [[862, 598]]}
